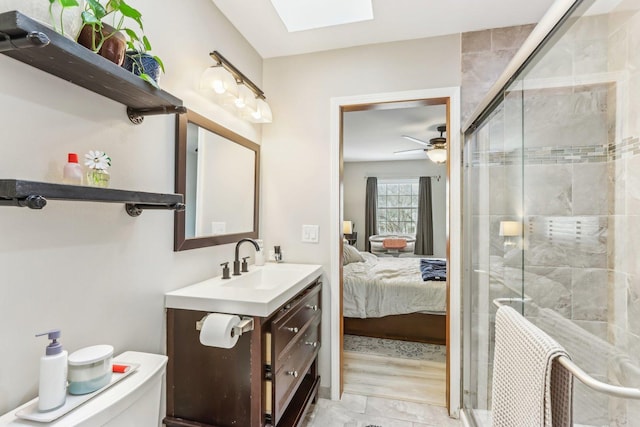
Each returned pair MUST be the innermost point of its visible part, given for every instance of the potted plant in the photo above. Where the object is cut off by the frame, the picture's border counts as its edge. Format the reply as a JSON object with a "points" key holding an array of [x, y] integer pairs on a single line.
{"points": [[139, 61], [106, 22]]}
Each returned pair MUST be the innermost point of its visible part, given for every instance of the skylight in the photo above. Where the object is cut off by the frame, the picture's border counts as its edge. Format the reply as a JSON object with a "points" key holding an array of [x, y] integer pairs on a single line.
{"points": [[300, 15]]}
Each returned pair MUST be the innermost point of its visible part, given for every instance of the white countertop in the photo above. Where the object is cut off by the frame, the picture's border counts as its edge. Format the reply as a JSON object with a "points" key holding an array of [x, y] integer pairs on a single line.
{"points": [[256, 293]]}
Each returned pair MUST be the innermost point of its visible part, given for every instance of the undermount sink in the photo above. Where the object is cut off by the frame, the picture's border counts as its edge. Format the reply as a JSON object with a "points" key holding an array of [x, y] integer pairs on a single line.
{"points": [[280, 275], [256, 293]]}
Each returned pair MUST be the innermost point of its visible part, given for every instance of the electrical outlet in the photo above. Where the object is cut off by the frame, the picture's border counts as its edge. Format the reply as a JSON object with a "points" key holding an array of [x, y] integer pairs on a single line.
{"points": [[310, 233]]}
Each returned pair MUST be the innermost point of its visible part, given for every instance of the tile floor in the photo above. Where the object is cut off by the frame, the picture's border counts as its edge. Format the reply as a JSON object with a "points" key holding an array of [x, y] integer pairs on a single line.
{"points": [[420, 381], [361, 411]]}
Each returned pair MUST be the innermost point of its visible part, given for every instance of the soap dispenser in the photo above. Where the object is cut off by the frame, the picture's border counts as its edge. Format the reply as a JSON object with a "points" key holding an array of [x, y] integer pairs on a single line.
{"points": [[277, 254], [52, 392]]}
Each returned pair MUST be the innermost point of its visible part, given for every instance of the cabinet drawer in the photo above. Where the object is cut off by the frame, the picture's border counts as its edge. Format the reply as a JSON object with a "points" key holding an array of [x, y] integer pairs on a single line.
{"points": [[290, 370], [294, 320]]}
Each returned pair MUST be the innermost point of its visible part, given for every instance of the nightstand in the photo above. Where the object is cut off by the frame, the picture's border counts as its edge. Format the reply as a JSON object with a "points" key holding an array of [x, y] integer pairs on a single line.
{"points": [[352, 238]]}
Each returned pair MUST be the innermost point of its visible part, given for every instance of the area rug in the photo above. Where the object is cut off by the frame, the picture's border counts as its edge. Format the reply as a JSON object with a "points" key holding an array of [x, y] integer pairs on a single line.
{"points": [[395, 348]]}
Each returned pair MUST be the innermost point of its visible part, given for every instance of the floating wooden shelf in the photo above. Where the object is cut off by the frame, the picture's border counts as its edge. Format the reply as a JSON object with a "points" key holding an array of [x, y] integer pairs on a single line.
{"points": [[30, 42], [34, 195]]}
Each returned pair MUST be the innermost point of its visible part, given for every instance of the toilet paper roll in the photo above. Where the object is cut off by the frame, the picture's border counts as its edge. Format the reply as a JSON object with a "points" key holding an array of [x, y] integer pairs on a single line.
{"points": [[217, 330]]}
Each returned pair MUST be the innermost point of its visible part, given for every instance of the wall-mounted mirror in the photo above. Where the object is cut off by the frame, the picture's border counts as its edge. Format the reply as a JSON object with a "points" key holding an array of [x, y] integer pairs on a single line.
{"points": [[218, 172]]}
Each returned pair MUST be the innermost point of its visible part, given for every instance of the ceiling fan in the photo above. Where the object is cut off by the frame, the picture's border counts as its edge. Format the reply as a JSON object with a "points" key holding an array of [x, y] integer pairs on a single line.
{"points": [[436, 148]]}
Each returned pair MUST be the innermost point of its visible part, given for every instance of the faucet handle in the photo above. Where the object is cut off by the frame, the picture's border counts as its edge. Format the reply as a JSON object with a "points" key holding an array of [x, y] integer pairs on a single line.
{"points": [[245, 266], [225, 270]]}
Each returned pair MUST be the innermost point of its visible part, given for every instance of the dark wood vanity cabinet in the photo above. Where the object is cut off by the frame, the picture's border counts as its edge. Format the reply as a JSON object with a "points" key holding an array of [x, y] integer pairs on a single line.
{"points": [[269, 378]]}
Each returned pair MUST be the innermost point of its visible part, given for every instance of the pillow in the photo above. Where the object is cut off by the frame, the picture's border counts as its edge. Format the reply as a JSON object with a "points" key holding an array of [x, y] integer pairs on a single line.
{"points": [[350, 254], [394, 243]]}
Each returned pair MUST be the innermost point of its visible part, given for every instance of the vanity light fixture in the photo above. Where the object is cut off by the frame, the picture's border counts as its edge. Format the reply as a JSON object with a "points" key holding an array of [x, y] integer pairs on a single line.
{"points": [[220, 81], [231, 86]]}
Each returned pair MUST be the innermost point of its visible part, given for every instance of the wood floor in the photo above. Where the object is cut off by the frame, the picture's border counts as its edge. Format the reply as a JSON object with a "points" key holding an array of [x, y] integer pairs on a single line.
{"points": [[417, 381]]}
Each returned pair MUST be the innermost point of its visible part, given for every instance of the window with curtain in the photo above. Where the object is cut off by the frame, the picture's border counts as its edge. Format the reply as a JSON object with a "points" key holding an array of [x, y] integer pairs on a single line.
{"points": [[397, 206]]}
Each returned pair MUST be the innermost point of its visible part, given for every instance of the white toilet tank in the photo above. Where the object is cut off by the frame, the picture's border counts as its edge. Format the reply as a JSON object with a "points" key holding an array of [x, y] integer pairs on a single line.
{"points": [[134, 401]]}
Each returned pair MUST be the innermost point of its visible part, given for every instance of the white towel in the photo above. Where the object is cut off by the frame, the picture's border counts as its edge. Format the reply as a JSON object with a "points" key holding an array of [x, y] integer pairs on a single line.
{"points": [[530, 388]]}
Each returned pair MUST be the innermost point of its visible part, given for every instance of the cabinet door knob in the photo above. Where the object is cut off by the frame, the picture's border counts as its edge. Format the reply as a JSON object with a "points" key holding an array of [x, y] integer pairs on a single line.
{"points": [[312, 307], [294, 374], [311, 343], [294, 330]]}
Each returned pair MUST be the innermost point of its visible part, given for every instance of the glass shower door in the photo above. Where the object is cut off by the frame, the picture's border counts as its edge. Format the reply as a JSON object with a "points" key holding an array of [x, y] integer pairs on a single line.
{"points": [[493, 230], [552, 213]]}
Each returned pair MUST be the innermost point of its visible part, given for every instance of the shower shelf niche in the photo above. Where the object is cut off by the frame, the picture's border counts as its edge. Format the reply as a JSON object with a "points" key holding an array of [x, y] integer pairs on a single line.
{"points": [[28, 41], [34, 195]]}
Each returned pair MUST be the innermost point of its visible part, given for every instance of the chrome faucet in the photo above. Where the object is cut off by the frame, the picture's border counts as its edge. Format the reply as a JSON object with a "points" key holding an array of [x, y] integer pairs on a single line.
{"points": [[236, 261]]}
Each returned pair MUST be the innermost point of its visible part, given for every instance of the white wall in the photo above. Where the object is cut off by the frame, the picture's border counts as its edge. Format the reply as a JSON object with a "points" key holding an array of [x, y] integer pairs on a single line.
{"points": [[296, 180], [89, 268], [354, 184]]}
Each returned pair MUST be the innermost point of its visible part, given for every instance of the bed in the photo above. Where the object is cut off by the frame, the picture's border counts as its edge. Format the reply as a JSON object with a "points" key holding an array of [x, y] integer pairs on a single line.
{"points": [[385, 297]]}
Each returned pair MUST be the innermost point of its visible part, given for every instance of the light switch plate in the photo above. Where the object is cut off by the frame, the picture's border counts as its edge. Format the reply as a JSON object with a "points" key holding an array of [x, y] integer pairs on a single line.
{"points": [[310, 233]]}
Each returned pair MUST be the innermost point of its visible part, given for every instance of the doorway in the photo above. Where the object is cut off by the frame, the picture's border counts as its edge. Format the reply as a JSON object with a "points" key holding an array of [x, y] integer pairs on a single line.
{"points": [[444, 96], [394, 341]]}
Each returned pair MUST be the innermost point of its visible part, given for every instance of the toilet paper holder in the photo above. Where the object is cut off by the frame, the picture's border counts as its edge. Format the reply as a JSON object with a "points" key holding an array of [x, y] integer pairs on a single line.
{"points": [[245, 325]]}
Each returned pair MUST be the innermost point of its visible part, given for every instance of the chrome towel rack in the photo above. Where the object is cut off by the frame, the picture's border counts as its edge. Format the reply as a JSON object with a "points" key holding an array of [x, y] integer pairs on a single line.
{"points": [[576, 371]]}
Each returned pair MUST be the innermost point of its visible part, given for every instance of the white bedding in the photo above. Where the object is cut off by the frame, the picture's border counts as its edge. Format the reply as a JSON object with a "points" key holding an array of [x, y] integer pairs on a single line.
{"points": [[385, 286]]}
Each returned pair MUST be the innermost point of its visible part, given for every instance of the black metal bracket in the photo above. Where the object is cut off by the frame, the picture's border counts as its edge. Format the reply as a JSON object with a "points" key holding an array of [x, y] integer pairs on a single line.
{"points": [[136, 115], [135, 209], [32, 202], [32, 39]]}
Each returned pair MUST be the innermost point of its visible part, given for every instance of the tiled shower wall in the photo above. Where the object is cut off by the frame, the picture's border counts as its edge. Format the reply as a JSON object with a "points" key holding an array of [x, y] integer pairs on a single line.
{"points": [[570, 130], [485, 55]]}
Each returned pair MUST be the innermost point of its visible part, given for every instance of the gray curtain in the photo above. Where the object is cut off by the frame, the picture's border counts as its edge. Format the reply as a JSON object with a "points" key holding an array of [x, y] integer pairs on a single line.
{"points": [[424, 228], [371, 211]]}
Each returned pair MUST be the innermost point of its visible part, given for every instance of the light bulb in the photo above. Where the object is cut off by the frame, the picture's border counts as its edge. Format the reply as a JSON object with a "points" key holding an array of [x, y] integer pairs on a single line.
{"points": [[437, 155], [219, 80], [262, 113], [246, 100]]}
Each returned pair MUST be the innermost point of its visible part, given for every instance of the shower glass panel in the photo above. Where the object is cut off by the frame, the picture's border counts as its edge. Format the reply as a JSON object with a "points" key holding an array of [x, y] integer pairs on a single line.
{"points": [[551, 210], [493, 190]]}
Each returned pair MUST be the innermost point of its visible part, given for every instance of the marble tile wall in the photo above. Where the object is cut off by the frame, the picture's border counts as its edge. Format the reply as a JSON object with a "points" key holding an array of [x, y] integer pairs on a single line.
{"points": [[485, 55]]}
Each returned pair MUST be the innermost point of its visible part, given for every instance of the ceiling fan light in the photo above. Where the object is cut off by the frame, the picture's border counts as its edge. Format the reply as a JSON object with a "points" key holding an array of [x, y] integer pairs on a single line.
{"points": [[437, 155]]}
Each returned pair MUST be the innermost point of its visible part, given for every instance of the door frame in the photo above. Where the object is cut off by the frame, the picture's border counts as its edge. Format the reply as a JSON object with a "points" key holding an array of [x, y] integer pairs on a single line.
{"points": [[454, 253]]}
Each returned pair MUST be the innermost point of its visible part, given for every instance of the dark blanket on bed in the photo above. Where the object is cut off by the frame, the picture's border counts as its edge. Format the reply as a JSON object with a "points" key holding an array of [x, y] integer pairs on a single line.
{"points": [[433, 269]]}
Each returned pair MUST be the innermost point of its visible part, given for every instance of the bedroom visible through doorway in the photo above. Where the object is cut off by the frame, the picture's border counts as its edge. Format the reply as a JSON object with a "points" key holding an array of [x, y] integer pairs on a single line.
{"points": [[394, 211]]}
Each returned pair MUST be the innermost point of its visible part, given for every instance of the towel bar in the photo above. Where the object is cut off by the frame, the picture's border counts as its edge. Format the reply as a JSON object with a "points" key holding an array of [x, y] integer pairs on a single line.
{"points": [[576, 371]]}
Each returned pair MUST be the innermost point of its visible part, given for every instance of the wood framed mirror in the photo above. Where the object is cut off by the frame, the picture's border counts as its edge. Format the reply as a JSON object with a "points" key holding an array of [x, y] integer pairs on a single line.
{"points": [[218, 173]]}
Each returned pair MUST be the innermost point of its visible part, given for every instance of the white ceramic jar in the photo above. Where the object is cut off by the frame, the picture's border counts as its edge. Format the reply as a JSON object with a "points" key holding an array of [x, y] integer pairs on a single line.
{"points": [[90, 369]]}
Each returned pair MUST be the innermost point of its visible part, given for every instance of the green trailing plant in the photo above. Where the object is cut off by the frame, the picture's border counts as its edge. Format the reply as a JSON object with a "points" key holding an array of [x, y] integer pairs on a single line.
{"points": [[113, 13], [57, 20], [117, 13]]}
